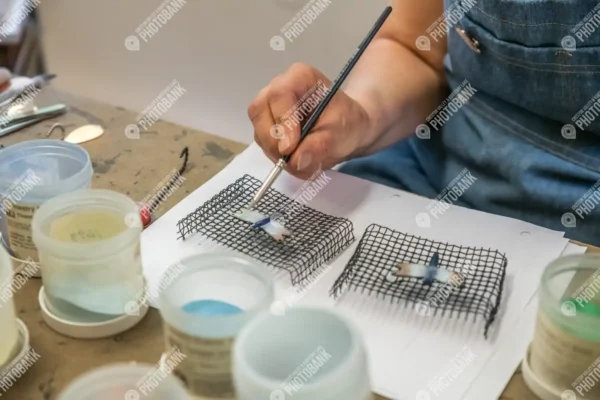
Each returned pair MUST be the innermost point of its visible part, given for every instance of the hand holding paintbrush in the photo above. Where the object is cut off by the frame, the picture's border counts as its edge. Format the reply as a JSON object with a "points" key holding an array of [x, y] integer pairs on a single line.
{"points": [[271, 106]]}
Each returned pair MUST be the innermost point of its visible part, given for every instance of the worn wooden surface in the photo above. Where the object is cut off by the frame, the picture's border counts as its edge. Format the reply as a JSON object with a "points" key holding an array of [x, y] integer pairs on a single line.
{"points": [[133, 167]]}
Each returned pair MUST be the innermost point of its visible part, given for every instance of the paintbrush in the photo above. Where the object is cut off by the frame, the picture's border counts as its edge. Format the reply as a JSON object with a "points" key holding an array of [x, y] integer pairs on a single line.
{"points": [[281, 164]]}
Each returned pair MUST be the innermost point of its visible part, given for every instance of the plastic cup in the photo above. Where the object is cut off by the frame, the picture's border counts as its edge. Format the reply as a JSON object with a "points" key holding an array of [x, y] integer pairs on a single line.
{"points": [[204, 308], [125, 382], [31, 173], [566, 345], [89, 249], [307, 354], [9, 333]]}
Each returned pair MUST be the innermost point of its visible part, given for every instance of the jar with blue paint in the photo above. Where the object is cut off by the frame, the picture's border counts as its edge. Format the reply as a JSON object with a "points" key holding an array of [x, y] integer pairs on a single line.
{"points": [[204, 308]]}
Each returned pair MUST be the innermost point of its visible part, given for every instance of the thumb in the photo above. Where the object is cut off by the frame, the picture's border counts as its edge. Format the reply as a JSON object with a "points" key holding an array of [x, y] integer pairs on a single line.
{"points": [[5, 76]]}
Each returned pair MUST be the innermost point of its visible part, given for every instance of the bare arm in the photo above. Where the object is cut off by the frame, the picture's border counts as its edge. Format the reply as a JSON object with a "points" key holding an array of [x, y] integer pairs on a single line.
{"points": [[392, 89], [397, 84]]}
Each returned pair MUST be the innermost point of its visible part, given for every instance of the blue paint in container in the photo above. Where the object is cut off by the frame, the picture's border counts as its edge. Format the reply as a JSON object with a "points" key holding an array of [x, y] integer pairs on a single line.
{"points": [[211, 308]]}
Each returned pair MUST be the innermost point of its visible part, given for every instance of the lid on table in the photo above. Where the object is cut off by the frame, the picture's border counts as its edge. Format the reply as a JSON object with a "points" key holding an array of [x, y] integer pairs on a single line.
{"points": [[89, 330]]}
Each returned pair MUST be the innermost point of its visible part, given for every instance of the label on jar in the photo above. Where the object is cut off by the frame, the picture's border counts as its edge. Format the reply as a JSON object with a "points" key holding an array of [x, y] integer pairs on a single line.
{"points": [[18, 226], [206, 370], [565, 361]]}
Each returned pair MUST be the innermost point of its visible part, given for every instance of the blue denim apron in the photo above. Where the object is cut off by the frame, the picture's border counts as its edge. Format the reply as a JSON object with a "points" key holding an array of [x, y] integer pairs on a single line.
{"points": [[530, 83]]}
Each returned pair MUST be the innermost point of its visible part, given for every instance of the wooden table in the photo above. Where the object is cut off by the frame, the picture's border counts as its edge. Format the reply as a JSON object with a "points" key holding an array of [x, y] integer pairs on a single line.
{"points": [[133, 167]]}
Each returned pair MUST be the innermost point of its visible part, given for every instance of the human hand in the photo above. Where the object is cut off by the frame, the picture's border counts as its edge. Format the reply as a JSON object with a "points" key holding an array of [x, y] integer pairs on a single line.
{"points": [[287, 102]]}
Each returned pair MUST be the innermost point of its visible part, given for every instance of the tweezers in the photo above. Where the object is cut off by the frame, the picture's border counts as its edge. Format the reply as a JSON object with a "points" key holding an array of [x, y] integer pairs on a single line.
{"points": [[21, 121]]}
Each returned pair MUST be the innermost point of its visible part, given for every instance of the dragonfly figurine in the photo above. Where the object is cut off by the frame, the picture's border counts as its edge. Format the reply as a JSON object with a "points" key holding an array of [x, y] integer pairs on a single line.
{"points": [[428, 273]]}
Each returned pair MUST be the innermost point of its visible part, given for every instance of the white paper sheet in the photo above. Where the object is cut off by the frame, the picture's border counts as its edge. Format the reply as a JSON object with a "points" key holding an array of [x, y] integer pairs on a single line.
{"points": [[508, 355], [406, 350]]}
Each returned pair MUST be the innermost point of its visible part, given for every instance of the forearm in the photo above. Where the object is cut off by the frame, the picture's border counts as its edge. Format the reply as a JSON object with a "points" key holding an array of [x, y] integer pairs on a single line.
{"points": [[396, 84], [397, 90]]}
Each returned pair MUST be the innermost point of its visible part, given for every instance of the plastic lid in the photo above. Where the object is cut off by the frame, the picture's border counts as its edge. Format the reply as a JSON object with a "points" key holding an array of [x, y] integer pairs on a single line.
{"points": [[18, 263], [22, 350], [77, 203], [540, 388], [125, 382], [62, 167], [94, 330]]}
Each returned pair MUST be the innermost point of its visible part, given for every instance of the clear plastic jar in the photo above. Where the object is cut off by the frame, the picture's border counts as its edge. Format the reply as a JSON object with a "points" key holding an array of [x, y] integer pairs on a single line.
{"points": [[89, 249], [125, 382], [566, 345], [310, 353], [204, 308], [9, 333], [32, 172]]}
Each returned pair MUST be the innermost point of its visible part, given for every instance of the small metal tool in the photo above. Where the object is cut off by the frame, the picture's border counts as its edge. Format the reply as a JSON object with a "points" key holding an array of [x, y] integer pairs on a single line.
{"points": [[20, 121]]}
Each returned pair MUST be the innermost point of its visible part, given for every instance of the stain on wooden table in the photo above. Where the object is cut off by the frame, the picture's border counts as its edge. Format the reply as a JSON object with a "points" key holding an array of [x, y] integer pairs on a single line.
{"points": [[133, 167]]}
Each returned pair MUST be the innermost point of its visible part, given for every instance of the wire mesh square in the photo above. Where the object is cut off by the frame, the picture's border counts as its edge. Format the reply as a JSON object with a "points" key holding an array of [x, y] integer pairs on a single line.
{"points": [[316, 237], [381, 249]]}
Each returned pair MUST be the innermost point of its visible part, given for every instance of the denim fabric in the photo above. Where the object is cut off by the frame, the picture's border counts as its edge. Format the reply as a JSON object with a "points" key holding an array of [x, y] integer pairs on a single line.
{"points": [[509, 135]]}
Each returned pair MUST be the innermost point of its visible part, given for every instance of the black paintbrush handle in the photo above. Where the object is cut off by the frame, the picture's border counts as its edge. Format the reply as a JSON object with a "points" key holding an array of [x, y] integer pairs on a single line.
{"points": [[310, 123]]}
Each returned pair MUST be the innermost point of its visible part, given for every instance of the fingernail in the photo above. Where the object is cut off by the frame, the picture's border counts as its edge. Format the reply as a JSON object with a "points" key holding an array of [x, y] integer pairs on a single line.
{"points": [[304, 161], [284, 143]]}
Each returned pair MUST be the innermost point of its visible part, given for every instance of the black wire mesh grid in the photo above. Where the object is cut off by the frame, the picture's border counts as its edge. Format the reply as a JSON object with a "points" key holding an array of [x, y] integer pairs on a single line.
{"points": [[381, 249], [316, 237]]}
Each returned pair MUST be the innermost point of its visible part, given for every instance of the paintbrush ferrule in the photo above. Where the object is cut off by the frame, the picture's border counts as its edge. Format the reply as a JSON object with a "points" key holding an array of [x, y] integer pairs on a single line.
{"points": [[275, 172]]}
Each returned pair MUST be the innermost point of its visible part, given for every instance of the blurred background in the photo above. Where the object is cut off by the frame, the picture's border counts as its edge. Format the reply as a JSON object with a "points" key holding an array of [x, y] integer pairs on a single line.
{"points": [[218, 50]]}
